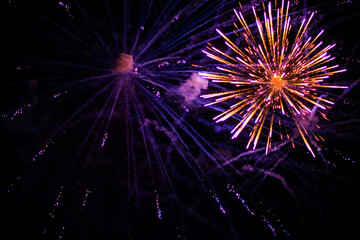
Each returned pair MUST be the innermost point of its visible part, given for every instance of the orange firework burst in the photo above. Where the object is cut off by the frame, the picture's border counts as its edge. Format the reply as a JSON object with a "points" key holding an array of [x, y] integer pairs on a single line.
{"points": [[274, 75]]}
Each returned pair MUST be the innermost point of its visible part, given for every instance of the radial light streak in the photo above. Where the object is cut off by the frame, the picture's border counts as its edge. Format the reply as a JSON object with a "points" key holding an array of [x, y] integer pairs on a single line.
{"points": [[274, 76]]}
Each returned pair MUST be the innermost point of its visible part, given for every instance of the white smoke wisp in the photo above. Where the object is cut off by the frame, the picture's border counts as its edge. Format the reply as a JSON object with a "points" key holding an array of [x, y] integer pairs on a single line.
{"points": [[191, 89]]}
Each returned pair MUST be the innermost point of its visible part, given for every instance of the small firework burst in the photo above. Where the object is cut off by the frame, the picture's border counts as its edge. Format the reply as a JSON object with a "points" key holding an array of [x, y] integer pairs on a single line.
{"points": [[275, 77]]}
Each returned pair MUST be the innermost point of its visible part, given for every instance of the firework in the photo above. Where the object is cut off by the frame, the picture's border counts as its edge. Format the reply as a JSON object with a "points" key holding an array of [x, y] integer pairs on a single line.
{"points": [[131, 86], [274, 76]]}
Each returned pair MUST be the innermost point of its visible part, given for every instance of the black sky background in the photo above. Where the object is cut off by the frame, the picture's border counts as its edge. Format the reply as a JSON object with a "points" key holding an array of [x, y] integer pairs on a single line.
{"points": [[323, 203]]}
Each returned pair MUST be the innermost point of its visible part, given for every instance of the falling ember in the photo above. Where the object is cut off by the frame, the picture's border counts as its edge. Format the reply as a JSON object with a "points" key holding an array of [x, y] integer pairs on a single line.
{"points": [[17, 112], [104, 139], [43, 150], [87, 192], [221, 208], [274, 76], [124, 63], [158, 210]]}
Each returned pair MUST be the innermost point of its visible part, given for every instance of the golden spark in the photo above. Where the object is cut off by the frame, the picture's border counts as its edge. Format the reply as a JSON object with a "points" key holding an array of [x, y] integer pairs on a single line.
{"points": [[275, 75]]}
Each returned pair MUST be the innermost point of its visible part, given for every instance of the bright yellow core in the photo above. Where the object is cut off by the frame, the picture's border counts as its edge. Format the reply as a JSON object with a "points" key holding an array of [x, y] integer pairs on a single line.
{"points": [[277, 82]]}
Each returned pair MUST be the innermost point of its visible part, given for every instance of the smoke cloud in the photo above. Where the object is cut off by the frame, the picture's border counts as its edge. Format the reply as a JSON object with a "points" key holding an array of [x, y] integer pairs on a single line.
{"points": [[191, 89]]}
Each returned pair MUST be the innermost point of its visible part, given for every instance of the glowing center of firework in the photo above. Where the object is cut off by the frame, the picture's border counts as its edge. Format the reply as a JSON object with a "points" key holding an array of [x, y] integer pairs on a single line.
{"points": [[277, 82], [124, 63]]}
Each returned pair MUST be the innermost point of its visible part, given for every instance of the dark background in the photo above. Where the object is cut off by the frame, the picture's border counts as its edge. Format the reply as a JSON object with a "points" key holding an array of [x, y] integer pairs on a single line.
{"points": [[43, 48]]}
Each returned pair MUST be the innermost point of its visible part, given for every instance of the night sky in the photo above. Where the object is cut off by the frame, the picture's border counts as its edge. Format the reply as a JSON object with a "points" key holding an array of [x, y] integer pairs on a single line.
{"points": [[88, 152]]}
